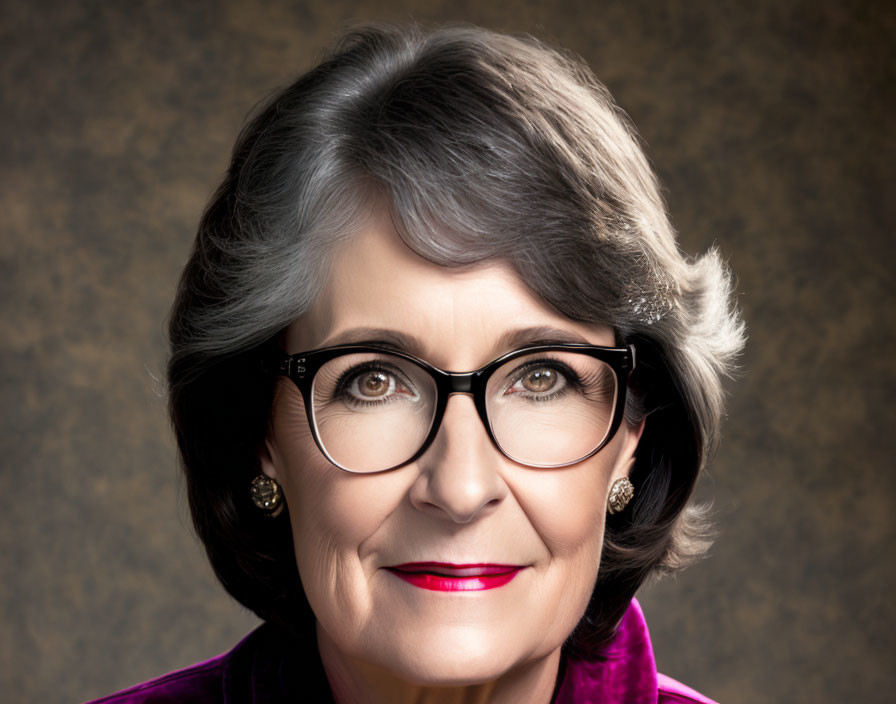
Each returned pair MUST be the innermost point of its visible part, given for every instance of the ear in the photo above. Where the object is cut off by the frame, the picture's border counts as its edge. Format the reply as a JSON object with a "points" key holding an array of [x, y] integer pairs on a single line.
{"points": [[626, 459], [268, 458]]}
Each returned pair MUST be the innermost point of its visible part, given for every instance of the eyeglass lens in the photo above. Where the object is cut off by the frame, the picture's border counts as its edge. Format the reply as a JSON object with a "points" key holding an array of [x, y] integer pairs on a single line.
{"points": [[373, 411]]}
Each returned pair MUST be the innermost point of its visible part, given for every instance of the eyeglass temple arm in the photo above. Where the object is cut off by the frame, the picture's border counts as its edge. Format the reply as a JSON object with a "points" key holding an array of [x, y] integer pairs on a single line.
{"points": [[291, 366]]}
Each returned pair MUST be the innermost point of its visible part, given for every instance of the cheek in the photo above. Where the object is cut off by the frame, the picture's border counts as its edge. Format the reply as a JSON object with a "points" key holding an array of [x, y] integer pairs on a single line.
{"points": [[327, 504], [567, 510], [332, 514]]}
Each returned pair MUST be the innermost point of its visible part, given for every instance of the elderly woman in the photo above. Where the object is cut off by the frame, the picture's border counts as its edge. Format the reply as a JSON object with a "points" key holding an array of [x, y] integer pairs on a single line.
{"points": [[442, 384]]}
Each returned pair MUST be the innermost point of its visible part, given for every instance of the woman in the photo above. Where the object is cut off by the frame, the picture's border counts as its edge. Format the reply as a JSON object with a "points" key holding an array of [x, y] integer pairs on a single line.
{"points": [[442, 384]]}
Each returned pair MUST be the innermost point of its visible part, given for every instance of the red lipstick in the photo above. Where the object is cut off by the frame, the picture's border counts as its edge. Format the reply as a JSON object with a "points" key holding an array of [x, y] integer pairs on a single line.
{"points": [[447, 577]]}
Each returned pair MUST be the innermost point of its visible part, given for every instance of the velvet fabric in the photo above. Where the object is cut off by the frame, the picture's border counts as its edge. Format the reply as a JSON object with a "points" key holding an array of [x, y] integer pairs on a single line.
{"points": [[271, 667]]}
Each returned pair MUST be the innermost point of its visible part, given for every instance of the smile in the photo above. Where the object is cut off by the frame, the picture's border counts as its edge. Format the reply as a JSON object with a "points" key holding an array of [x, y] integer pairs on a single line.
{"points": [[446, 577]]}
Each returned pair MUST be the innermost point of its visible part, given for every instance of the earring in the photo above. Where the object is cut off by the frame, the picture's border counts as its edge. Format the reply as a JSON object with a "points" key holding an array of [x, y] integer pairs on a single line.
{"points": [[621, 493], [266, 495]]}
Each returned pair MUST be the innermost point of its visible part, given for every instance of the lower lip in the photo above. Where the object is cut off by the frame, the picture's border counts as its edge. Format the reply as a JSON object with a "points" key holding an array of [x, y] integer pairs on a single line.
{"points": [[445, 583]]}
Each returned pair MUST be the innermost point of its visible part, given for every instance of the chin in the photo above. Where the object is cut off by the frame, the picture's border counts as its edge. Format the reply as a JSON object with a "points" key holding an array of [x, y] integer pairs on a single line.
{"points": [[454, 657]]}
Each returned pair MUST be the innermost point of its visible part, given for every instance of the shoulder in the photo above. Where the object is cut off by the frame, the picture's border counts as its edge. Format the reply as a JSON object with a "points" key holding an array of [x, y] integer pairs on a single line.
{"points": [[260, 668], [674, 692], [202, 683]]}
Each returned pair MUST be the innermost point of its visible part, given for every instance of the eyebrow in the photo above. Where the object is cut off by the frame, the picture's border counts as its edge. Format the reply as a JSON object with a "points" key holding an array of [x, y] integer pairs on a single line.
{"points": [[404, 342]]}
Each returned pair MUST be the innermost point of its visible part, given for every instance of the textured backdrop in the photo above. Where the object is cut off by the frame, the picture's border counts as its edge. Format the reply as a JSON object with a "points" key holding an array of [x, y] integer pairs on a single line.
{"points": [[770, 124]]}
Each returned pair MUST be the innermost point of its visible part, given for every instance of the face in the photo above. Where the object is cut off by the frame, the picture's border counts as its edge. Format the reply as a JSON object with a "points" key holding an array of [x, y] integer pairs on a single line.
{"points": [[461, 503]]}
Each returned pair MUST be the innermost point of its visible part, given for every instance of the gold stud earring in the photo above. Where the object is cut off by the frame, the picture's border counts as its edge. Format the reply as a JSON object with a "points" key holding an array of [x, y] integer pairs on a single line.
{"points": [[266, 495], [621, 493]]}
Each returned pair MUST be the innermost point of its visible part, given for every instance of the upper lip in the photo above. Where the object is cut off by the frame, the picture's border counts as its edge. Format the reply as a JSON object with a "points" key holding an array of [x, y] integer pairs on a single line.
{"points": [[450, 569]]}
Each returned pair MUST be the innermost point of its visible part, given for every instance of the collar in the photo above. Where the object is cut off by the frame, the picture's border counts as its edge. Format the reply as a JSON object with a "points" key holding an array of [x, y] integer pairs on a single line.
{"points": [[626, 676]]}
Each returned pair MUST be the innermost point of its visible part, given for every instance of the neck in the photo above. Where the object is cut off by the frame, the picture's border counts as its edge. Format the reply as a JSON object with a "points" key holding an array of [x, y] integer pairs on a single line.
{"points": [[356, 682]]}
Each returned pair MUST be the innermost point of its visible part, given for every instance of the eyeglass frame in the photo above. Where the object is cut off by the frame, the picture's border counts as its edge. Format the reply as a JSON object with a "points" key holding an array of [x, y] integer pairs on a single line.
{"points": [[302, 367]]}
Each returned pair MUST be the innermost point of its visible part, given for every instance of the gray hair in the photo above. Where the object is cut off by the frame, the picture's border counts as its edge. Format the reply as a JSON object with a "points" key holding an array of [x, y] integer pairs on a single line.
{"points": [[482, 147]]}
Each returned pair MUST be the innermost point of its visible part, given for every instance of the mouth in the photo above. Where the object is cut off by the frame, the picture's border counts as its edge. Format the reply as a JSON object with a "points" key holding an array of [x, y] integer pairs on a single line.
{"points": [[447, 577]]}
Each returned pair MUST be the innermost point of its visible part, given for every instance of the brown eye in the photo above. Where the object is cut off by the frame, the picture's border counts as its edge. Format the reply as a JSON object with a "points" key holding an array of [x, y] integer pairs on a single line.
{"points": [[540, 380], [373, 384]]}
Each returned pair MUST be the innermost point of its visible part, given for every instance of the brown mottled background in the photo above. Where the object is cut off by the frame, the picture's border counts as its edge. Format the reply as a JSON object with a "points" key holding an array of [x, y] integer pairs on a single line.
{"points": [[770, 123]]}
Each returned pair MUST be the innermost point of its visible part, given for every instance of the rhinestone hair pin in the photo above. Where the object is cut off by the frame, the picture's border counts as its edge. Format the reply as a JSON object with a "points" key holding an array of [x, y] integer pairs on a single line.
{"points": [[650, 308]]}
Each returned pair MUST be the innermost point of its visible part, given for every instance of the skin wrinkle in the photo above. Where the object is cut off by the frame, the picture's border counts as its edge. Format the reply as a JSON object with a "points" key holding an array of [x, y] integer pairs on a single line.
{"points": [[462, 501]]}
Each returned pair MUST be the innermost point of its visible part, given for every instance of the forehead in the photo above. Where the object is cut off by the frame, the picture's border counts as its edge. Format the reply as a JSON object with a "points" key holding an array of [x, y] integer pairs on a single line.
{"points": [[461, 318]]}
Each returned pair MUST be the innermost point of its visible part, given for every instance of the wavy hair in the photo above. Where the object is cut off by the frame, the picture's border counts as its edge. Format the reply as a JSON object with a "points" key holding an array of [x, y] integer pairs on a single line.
{"points": [[483, 147]]}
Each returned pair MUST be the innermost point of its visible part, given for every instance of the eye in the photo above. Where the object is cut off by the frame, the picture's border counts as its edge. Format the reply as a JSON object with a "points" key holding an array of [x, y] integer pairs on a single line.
{"points": [[373, 384], [542, 380]]}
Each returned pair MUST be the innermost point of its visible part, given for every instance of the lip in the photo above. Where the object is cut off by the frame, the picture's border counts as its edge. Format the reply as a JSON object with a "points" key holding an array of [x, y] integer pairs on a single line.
{"points": [[449, 577]]}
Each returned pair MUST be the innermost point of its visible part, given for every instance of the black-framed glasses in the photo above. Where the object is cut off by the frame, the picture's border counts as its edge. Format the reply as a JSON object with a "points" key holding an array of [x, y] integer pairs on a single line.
{"points": [[372, 409]]}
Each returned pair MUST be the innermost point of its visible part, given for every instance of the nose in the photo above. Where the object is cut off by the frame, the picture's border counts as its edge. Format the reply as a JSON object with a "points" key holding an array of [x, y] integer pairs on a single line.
{"points": [[459, 473]]}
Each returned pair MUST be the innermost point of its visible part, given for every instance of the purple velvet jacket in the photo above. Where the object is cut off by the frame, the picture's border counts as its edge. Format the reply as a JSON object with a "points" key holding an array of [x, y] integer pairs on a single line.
{"points": [[258, 671]]}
